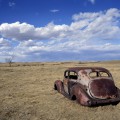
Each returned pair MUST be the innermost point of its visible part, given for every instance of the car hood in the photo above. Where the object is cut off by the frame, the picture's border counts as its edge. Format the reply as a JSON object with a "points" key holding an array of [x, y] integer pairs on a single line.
{"points": [[102, 88]]}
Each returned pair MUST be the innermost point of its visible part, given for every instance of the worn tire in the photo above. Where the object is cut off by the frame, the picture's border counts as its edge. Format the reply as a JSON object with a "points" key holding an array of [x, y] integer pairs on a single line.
{"points": [[55, 87]]}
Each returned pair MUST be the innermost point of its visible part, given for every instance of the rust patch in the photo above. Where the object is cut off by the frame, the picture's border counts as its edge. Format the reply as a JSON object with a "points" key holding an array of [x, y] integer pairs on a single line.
{"points": [[103, 89]]}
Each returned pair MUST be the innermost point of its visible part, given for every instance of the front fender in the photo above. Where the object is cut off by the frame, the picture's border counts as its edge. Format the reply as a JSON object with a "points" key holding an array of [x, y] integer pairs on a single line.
{"points": [[58, 85]]}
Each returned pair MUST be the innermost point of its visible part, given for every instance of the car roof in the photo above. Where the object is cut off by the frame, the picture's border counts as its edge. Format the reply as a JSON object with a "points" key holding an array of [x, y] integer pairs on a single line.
{"points": [[77, 69]]}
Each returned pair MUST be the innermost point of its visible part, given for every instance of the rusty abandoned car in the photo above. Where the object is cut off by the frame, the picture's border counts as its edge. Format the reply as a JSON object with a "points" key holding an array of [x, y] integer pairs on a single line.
{"points": [[89, 86]]}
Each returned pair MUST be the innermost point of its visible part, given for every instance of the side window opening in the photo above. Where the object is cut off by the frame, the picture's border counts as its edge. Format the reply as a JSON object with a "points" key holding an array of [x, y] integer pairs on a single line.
{"points": [[73, 75], [66, 74]]}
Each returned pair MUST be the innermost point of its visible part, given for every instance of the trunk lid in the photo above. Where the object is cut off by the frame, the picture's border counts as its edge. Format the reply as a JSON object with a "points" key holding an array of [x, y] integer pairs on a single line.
{"points": [[102, 88]]}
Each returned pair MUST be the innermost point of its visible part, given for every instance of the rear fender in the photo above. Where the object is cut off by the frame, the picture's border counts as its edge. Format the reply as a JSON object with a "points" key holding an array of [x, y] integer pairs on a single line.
{"points": [[80, 95]]}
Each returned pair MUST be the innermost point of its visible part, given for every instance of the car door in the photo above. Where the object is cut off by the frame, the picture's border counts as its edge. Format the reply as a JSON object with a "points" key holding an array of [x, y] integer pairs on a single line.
{"points": [[65, 81], [70, 78]]}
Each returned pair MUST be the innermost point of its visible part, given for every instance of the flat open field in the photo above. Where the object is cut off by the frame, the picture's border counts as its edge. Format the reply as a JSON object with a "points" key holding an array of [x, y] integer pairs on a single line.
{"points": [[26, 93]]}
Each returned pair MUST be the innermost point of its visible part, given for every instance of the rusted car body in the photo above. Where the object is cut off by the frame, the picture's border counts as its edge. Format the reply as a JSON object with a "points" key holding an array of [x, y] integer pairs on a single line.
{"points": [[90, 86]]}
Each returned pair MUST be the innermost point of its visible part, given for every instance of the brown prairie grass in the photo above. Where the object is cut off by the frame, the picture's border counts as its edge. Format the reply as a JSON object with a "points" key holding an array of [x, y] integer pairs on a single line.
{"points": [[26, 93]]}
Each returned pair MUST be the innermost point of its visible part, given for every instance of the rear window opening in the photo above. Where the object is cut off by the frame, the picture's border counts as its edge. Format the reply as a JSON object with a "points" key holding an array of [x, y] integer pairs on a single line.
{"points": [[98, 74]]}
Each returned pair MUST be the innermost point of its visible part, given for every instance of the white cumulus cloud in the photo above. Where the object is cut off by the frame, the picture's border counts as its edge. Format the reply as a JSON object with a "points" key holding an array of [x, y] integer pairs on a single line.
{"points": [[92, 1], [4, 42], [54, 10], [24, 31], [11, 4], [89, 33]]}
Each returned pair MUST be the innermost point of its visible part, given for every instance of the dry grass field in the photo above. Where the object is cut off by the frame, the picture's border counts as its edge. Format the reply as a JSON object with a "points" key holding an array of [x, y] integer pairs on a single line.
{"points": [[26, 93]]}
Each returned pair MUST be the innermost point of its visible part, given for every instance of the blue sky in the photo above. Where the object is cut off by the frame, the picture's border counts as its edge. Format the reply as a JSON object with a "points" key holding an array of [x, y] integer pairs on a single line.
{"points": [[59, 30]]}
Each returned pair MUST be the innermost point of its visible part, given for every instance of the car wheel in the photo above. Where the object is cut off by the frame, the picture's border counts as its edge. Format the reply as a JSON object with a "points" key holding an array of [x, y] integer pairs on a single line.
{"points": [[73, 97], [55, 87]]}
